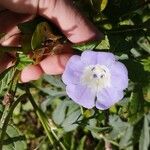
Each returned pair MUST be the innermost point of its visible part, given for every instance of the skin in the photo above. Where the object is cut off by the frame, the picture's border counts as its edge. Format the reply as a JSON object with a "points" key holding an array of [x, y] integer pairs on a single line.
{"points": [[62, 13]]}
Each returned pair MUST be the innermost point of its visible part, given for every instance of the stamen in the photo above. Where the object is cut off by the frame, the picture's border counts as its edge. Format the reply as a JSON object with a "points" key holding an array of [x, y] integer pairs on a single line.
{"points": [[96, 77]]}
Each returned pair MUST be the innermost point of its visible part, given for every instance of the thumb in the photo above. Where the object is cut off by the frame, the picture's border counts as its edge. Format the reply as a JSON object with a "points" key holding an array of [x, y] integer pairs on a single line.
{"points": [[72, 23]]}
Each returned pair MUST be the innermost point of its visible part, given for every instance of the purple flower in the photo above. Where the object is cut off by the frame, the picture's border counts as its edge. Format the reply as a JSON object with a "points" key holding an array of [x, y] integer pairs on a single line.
{"points": [[95, 79]]}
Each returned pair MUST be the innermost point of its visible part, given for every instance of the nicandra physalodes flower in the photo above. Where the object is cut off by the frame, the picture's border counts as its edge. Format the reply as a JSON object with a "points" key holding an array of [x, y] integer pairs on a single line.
{"points": [[95, 79]]}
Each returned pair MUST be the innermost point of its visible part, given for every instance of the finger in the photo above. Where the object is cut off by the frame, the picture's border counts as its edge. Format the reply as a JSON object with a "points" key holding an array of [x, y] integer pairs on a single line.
{"points": [[21, 6], [52, 65], [31, 72], [76, 27], [9, 22], [55, 64]]}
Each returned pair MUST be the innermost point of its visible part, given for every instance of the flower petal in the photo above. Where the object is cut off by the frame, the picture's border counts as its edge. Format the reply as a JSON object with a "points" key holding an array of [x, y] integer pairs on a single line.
{"points": [[119, 76], [73, 70], [89, 57], [81, 95], [108, 97], [105, 58]]}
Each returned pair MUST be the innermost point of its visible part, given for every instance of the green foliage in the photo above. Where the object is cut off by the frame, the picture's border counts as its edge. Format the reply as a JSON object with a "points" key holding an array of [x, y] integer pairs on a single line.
{"points": [[40, 35], [23, 61], [14, 139], [48, 119], [5, 79], [85, 46]]}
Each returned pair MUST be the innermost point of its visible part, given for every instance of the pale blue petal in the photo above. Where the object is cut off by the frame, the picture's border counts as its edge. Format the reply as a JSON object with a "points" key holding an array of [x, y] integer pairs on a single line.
{"points": [[108, 97], [73, 70], [119, 76], [81, 95], [89, 57], [105, 58]]}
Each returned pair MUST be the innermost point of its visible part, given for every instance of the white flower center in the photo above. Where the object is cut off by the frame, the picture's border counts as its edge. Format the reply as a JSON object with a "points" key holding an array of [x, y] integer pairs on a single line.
{"points": [[96, 77]]}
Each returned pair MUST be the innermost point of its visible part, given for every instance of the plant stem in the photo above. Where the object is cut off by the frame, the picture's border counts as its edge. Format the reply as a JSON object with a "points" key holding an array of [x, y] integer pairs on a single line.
{"points": [[107, 143], [10, 112], [40, 115], [44, 120]]}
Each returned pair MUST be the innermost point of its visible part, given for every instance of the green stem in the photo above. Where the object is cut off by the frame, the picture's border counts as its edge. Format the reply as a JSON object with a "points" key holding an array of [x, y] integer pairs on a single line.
{"points": [[44, 120], [5, 112], [5, 124], [110, 141], [107, 143], [40, 115]]}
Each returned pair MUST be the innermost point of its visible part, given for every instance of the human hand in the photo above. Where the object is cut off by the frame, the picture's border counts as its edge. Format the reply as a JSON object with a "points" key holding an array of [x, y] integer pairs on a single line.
{"points": [[62, 13]]}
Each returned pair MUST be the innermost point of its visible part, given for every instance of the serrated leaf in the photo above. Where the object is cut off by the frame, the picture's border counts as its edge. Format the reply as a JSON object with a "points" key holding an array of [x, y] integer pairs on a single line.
{"points": [[5, 79], [85, 46], [104, 44], [13, 132], [14, 140], [69, 122]]}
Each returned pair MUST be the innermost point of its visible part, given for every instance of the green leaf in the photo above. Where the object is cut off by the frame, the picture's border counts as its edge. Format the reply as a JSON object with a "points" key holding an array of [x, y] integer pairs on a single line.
{"points": [[146, 64], [118, 127], [69, 122], [40, 35], [144, 44], [98, 129], [85, 46], [144, 141], [5, 79], [66, 114], [104, 44], [81, 144], [28, 26], [23, 61], [146, 93], [53, 93], [126, 140], [103, 4], [27, 29], [14, 139], [26, 43], [60, 112], [99, 5], [54, 80]]}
